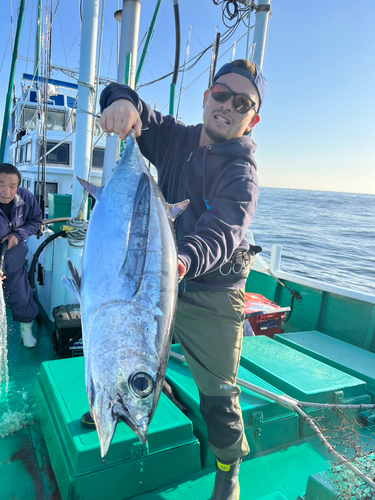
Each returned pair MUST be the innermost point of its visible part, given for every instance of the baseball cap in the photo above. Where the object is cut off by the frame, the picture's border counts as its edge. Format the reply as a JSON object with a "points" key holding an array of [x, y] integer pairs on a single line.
{"points": [[257, 78]]}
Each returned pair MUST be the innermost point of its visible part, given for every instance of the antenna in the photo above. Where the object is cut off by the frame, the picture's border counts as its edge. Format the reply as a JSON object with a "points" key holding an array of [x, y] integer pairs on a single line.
{"points": [[182, 88], [215, 50], [233, 51]]}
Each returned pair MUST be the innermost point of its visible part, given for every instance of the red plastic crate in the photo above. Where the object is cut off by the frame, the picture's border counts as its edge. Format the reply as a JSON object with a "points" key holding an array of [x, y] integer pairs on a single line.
{"points": [[265, 317]]}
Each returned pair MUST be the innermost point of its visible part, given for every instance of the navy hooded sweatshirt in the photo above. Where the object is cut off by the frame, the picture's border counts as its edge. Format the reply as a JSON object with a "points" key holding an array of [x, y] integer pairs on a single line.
{"points": [[220, 181]]}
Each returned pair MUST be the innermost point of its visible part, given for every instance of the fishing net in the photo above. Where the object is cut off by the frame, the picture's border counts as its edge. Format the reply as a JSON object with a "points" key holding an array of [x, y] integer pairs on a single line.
{"points": [[350, 432]]}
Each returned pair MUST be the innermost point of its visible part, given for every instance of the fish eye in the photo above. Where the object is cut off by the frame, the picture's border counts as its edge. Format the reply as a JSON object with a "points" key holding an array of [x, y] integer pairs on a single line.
{"points": [[141, 384]]}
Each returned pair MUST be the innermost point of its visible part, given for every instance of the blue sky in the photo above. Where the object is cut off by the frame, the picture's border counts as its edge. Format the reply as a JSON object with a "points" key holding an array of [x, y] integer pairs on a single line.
{"points": [[317, 124]]}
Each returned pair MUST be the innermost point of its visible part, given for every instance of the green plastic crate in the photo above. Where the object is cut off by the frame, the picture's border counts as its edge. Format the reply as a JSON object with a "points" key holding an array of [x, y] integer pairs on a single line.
{"points": [[129, 468]]}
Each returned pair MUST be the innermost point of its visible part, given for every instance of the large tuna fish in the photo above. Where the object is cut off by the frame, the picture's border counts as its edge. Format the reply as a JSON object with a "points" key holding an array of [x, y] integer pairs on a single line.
{"points": [[127, 293]]}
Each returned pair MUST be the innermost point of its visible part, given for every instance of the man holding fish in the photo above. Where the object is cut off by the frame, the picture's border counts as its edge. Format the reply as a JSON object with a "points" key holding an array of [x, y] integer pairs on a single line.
{"points": [[212, 165]]}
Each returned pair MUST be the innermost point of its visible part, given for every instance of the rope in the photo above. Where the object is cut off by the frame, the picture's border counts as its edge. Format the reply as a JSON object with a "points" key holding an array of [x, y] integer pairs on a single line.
{"points": [[76, 228]]}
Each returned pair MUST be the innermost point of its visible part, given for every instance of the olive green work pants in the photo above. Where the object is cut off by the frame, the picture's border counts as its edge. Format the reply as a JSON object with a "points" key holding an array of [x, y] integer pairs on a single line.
{"points": [[209, 328]]}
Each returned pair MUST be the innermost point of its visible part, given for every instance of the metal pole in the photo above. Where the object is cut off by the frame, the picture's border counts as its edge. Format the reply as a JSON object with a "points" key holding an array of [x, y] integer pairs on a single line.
{"points": [[147, 42], [129, 18], [38, 40], [260, 30], [8, 100], [86, 87]]}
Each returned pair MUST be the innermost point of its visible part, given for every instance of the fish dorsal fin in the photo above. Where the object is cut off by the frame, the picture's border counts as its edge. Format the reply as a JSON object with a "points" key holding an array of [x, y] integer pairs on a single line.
{"points": [[138, 237], [73, 284], [94, 190], [173, 211]]}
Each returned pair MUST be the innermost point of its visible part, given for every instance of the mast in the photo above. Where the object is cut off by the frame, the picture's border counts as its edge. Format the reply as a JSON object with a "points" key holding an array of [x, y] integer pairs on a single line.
{"points": [[11, 81], [86, 85], [129, 18], [262, 14]]}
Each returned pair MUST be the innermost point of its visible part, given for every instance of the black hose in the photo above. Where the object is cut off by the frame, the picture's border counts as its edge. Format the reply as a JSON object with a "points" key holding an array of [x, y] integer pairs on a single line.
{"points": [[178, 40], [3, 249], [40, 249]]}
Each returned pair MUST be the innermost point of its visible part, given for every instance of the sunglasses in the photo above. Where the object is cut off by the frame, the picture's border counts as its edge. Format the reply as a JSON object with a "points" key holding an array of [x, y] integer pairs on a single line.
{"points": [[221, 93]]}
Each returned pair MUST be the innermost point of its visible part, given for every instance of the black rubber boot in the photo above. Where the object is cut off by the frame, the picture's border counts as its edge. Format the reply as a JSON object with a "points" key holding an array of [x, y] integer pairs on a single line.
{"points": [[226, 486], [87, 421]]}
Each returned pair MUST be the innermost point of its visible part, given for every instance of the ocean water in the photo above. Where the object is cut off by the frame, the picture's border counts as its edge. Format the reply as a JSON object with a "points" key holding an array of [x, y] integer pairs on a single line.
{"points": [[326, 236]]}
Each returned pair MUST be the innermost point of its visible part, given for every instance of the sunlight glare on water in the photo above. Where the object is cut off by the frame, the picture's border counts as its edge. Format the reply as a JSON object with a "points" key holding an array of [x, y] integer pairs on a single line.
{"points": [[4, 374], [11, 419]]}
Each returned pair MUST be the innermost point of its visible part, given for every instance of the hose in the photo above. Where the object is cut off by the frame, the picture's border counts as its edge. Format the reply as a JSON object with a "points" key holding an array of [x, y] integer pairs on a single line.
{"points": [[178, 42], [40, 249], [3, 249]]}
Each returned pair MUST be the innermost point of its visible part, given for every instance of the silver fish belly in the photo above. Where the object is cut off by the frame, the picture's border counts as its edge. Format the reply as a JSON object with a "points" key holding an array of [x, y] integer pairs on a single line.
{"points": [[127, 292]]}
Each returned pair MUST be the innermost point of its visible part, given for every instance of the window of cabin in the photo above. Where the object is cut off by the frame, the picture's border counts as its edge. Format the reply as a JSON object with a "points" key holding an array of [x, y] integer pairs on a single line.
{"points": [[98, 158], [22, 153], [51, 187], [55, 120], [59, 156], [71, 101], [28, 153], [29, 118]]}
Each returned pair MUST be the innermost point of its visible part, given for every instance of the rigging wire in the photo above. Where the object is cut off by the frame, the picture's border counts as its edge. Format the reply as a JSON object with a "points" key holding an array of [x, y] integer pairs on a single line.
{"points": [[203, 72], [28, 43], [5, 52], [11, 22], [62, 39], [38, 64], [194, 60], [231, 11]]}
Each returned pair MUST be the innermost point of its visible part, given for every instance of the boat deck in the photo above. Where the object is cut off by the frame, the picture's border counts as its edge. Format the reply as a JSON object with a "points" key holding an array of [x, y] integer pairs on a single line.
{"points": [[26, 472]]}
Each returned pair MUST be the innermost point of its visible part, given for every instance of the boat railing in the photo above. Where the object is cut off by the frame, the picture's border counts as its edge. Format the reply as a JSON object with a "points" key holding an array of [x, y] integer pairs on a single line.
{"points": [[274, 269]]}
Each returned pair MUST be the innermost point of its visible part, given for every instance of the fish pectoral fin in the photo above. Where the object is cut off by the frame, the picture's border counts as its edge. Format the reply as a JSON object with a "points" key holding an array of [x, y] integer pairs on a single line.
{"points": [[94, 190], [73, 284], [135, 258], [173, 211]]}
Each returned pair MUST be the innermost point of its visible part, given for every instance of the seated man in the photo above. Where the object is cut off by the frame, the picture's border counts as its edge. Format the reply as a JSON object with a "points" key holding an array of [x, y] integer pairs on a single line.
{"points": [[20, 217]]}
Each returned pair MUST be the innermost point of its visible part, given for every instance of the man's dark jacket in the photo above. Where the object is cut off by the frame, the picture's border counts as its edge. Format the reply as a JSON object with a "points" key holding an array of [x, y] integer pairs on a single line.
{"points": [[220, 181], [25, 220]]}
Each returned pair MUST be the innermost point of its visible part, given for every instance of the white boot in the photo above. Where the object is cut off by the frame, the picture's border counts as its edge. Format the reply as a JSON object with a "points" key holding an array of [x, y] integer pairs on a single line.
{"points": [[26, 334]]}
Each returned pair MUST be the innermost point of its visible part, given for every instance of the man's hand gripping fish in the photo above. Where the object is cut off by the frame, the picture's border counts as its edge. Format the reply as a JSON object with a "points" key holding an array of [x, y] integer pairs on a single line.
{"points": [[127, 292]]}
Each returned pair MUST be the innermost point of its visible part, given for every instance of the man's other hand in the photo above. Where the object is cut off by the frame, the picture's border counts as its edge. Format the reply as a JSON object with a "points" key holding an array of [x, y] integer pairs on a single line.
{"points": [[181, 270], [12, 240], [120, 117], [2, 277]]}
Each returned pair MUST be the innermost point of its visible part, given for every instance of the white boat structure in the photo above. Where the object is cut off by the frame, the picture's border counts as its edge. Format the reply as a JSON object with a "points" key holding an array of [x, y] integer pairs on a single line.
{"points": [[26, 145]]}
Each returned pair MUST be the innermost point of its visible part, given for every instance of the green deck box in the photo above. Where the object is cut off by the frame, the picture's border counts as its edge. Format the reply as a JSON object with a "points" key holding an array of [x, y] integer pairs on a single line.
{"points": [[300, 376], [267, 425], [60, 205], [130, 468]]}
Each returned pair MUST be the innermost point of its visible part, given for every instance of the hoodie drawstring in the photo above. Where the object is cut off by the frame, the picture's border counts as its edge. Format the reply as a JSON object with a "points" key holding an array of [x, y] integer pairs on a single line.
{"points": [[204, 177]]}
